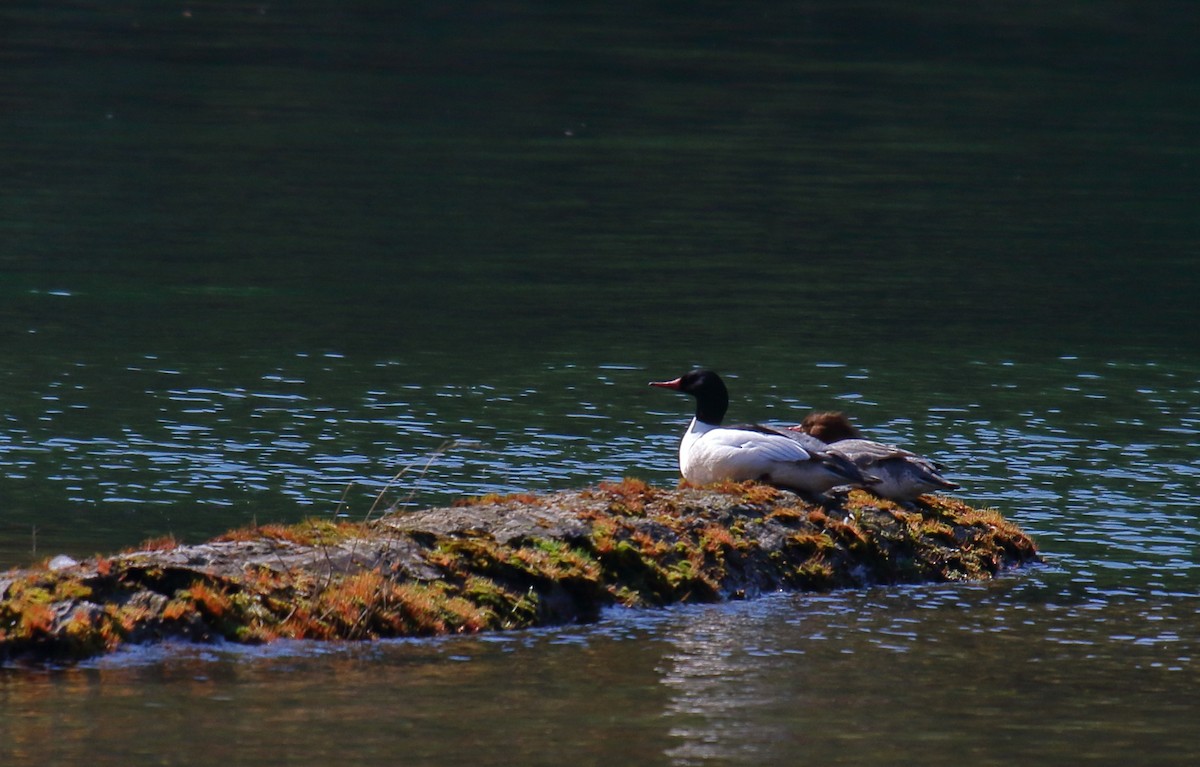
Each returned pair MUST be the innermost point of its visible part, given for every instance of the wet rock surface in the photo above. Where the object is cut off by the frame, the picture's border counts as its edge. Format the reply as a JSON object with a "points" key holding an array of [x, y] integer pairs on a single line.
{"points": [[496, 563]]}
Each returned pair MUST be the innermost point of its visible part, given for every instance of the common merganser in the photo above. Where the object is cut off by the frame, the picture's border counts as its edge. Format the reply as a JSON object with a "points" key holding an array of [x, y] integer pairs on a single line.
{"points": [[829, 427], [903, 476], [710, 452]]}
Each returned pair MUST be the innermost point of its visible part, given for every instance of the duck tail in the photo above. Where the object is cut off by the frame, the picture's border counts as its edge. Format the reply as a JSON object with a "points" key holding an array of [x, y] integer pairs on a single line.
{"points": [[931, 473]]}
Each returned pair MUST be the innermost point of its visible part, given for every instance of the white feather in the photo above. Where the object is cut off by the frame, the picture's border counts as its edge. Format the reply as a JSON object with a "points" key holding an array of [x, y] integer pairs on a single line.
{"points": [[710, 453]]}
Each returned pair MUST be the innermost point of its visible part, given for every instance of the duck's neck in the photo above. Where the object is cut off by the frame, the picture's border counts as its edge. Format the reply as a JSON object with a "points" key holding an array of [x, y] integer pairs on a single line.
{"points": [[698, 427], [711, 411]]}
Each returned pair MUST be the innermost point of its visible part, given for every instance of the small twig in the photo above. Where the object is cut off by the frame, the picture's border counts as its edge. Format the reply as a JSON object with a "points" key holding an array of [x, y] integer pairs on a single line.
{"points": [[342, 503], [378, 603], [441, 450], [329, 562]]}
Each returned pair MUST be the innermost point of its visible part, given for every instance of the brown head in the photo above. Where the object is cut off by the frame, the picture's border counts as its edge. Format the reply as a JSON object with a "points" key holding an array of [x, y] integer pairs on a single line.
{"points": [[829, 427]]}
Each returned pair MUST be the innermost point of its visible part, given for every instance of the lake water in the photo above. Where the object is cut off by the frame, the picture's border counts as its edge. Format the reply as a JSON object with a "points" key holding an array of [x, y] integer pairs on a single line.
{"points": [[259, 263]]}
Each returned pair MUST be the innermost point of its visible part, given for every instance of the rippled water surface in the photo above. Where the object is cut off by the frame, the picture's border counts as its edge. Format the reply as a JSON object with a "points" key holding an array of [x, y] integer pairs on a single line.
{"points": [[262, 263]]}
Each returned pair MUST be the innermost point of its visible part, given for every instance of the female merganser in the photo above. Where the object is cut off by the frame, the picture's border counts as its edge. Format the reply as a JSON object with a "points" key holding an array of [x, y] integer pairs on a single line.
{"points": [[902, 475], [710, 452], [828, 427]]}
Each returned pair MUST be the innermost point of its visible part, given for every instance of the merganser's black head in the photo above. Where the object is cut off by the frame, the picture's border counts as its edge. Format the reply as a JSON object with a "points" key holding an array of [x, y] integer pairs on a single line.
{"points": [[712, 398]]}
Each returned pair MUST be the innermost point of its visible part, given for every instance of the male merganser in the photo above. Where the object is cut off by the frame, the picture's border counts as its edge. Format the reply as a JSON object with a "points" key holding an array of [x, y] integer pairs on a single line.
{"points": [[710, 452], [902, 475]]}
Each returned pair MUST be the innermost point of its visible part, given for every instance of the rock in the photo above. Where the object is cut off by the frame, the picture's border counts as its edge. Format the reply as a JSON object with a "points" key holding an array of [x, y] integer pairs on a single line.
{"points": [[496, 563], [61, 562]]}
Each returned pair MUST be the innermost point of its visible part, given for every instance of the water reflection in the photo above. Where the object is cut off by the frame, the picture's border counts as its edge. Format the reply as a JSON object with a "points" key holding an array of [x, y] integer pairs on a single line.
{"points": [[781, 682], [714, 672]]}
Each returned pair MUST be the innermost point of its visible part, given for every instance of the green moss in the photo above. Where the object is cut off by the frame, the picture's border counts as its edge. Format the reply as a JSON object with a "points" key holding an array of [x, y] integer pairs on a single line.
{"points": [[505, 608], [315, 531], [638, 573]]}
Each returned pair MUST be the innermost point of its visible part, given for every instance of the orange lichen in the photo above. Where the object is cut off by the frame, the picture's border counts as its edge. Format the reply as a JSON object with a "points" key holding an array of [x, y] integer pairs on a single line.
{"points": [[36, 618], [310, 532], [177, 609], [789, 514], [490, 499], [648, 544], [749, 491], [716, 539], [213, 601], [813, 541], [166, 542], [603, 536], [628, 497]]}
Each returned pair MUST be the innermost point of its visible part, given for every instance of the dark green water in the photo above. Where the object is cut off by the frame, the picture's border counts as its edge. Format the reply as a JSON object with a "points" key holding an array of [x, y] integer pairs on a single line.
{"points": [[253, 255]]}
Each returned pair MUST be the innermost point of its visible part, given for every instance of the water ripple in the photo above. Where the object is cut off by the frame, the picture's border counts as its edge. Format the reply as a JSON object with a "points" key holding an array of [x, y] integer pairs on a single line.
{"points": [[1112, 488]]}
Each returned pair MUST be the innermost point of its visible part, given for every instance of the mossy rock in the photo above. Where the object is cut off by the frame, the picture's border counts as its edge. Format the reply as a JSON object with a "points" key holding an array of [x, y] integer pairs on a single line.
{"points": [[497, 563]]}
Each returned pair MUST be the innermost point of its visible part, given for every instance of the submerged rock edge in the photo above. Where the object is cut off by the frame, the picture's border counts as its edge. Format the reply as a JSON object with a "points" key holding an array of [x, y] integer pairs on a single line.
{"points": [[496, 563]]}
